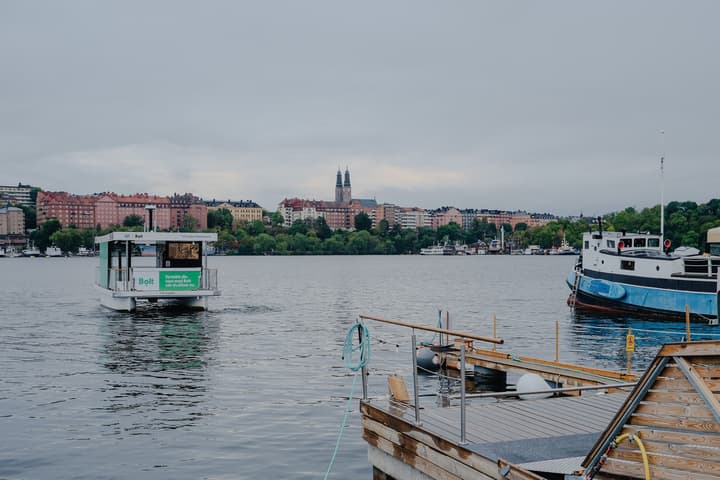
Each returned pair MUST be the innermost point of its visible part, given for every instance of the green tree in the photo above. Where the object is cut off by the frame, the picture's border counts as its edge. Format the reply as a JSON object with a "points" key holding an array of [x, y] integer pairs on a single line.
{"points": [[41, 236], [277, 219], [298, 226], [30, 217], [359, 242], [264, 244], [133, 220], [220, 219], [256, 227], [68, 239], [452, 231], [322, 229], [382, 228], [363, 221], [189, 224]]}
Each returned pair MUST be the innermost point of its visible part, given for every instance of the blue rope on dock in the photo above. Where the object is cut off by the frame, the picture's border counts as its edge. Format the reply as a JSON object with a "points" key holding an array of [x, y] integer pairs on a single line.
{"points": [[363, 348]]}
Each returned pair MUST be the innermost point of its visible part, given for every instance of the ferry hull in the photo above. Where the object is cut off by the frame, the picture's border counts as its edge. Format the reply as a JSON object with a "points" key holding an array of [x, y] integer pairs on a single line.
{"points": [[620, 297], [127, 302]]}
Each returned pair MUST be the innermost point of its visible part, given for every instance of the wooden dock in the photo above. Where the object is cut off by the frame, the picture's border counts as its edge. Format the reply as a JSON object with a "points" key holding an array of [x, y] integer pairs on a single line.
{"points": [[666, 428], [515, 432]]}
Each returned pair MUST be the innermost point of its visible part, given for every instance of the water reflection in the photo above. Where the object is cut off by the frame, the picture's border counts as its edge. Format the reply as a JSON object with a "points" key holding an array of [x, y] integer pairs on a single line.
{"points": [[158, 363], [601, 338]]}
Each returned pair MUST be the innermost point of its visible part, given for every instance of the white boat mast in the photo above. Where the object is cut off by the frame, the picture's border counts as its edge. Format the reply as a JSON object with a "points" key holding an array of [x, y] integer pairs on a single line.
{"points": [[662, 187]]}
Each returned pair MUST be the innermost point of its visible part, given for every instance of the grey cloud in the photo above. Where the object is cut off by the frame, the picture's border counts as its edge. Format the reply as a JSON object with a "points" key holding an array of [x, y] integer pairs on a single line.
{"points": [[551, 106]]}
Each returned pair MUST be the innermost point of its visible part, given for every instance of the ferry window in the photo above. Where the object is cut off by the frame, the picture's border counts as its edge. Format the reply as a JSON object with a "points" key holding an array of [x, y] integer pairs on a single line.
{"points": [[653, 242], [627, 265], [639, 242], [587, 244], [183, 251], [611, 243], [715, 249], [627, 242]]}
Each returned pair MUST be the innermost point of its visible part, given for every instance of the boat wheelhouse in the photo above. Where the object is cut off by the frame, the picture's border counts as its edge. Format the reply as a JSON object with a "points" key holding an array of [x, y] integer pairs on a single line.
{"points": [[177, 274], [632, 273]]}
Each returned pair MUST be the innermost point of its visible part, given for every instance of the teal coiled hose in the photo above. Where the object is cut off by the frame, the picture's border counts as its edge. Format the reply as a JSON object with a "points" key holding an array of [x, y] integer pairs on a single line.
{"points": [[349, 349]]}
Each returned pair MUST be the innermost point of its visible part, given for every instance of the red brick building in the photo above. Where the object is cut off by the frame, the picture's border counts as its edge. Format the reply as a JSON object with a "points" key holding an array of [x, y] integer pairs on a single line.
{"points": [[105, 209]]}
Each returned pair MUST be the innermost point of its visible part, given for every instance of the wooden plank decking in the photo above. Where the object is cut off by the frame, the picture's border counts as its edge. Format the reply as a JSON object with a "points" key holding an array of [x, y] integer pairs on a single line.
{"points": [[516, 431]]}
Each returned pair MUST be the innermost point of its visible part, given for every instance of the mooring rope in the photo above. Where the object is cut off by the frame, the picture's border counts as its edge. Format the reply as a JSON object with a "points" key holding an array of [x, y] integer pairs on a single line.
{"points": [[349, 348]]}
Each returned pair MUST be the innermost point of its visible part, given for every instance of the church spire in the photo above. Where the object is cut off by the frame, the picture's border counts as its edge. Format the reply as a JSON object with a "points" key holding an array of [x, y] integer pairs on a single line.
{"points": [[338, 181], [347, 177]]}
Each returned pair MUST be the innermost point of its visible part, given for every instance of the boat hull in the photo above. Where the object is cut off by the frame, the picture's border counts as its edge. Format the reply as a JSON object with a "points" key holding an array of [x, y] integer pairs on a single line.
{"points": [[642, 300], [127, 302]]}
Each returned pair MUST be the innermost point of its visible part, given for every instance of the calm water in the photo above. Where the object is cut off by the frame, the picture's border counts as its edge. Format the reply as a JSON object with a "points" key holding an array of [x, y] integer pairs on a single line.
{"points": [[255, 387]]}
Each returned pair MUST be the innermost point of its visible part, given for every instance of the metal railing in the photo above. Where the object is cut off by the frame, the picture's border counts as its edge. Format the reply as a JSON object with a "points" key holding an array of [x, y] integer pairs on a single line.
{"points": [[460, 355], [122, 280], [416, 391]]}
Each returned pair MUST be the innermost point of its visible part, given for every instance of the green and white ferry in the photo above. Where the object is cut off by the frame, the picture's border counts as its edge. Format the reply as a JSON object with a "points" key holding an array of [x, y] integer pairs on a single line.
{"points": [[177, 275]]}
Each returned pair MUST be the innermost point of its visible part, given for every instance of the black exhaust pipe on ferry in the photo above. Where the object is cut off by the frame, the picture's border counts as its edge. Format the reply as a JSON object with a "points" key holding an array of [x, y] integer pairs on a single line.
{"points": [[600, 229]]}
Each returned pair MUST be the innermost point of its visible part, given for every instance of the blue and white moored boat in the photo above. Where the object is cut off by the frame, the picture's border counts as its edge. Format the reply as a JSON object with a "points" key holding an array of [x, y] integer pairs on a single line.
{"points": [[178, 273], [631, 273]]}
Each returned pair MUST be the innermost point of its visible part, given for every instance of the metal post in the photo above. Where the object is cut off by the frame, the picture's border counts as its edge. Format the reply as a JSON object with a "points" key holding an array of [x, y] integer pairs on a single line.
{"points": [[416, 396], [462, 393], [557, 341], [363, 370], [494, 331], [128, 257]]}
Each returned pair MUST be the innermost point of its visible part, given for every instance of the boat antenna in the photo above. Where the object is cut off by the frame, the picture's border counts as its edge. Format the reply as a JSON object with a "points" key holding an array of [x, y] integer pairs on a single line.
{"points": [[662, 187]]}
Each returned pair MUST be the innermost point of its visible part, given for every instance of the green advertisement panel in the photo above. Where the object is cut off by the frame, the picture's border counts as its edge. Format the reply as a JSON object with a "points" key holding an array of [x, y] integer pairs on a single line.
{"points": [[180, 280]]}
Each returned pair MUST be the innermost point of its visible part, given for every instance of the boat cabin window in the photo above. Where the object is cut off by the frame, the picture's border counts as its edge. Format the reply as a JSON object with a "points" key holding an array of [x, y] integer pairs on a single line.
{"points": [[587, 244], [714, 248], [639, 242], [182, 254], [611, 243], [627, 265], [653, 242], [627, 242]]}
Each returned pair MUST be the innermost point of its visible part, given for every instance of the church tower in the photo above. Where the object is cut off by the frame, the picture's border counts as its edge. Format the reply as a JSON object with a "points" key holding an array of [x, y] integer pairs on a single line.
{"points": [[338, 187], [346, 189]]}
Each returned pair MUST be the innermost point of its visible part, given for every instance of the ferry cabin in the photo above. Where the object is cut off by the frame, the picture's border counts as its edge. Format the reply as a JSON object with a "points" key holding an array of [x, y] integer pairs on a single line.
{"points": [[177, 274], [633, 273]]}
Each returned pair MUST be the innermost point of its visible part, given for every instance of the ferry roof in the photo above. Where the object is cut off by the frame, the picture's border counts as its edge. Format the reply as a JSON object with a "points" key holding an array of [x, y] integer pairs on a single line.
{"points": [[150, 237], [612, 234]]}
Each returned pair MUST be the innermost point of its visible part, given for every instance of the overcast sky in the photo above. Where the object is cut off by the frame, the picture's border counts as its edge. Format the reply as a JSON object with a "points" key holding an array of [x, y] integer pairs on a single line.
{"points": [[540, 106]]}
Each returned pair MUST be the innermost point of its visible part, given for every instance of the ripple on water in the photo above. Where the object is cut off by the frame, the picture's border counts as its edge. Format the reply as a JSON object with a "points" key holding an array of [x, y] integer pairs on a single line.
{"points": [[257, 384]]}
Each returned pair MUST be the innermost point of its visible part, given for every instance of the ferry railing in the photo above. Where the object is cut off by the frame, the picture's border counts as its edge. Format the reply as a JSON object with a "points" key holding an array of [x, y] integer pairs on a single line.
{"points": [[209, 279], [416, 389], [117, 278]]}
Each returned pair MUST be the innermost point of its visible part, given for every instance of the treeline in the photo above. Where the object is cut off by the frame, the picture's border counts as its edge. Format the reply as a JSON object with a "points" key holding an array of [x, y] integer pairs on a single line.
{"points": [[686, 223]]}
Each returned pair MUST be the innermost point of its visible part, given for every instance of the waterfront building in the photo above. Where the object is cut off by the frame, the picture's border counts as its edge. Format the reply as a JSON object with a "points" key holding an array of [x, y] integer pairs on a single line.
{"points": [[336, 214], [243, 211], [105, 209], [12, 221], [16, 195], [444, 216], [341, 213], [412, 217], [77, 210]]}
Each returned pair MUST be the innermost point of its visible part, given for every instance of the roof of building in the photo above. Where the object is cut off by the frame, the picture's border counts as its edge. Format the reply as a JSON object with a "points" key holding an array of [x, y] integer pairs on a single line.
{"points": [[10, 209], [239, 203], [365, 202]]}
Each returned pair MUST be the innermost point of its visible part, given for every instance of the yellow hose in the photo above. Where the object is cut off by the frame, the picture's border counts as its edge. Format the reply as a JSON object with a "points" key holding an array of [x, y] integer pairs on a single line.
{"points": [[643, 452]]}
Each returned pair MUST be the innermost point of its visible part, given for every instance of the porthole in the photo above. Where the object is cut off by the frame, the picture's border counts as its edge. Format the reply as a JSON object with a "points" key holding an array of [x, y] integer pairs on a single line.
{"points": [[657, 268]]}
